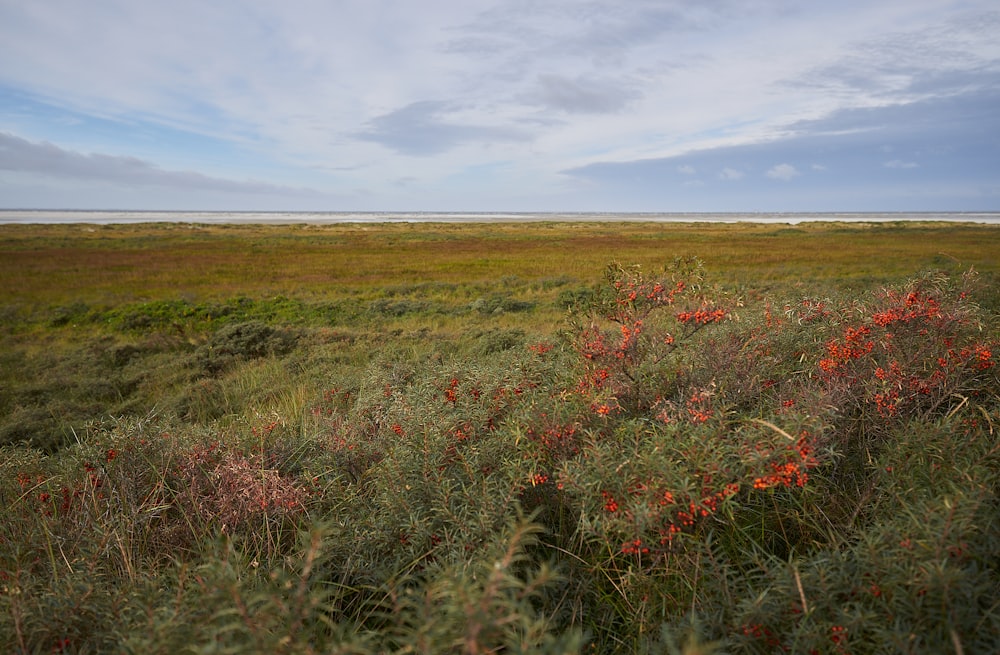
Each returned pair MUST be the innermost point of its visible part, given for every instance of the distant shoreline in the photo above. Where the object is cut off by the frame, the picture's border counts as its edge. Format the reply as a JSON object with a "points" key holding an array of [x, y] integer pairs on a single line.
{"points": [[64, 216]]}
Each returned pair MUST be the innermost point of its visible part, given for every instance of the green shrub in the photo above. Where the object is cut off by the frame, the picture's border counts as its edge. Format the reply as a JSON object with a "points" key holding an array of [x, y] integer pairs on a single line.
{"points": [[500, 304], [240, 342]]}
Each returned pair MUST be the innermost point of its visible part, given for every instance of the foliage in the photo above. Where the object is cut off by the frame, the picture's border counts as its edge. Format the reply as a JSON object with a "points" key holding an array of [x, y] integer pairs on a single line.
{"points": [[241, 342], [679, 468]]}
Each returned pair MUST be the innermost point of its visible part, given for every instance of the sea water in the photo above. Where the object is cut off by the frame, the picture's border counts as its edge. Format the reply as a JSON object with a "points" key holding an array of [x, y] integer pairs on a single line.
{"points": [[223, 217]]}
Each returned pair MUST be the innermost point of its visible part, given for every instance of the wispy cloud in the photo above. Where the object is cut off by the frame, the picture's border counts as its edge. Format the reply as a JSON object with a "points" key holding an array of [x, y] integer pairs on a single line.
{"points": [[901, 65], [581, 95], [421, 129]]}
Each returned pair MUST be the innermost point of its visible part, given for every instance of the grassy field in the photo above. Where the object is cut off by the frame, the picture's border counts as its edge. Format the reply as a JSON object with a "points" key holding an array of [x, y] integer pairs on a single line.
{"points": [[471, 438], [114, 264]]}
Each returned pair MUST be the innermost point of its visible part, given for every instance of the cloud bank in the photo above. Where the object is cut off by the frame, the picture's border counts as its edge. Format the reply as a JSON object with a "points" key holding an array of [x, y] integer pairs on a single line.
{"points": [[21, 155]]}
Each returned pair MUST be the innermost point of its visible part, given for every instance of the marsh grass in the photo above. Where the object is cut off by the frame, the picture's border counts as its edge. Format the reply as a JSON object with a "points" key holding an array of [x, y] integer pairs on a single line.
{"points": [[480, 439], [114, 265]]}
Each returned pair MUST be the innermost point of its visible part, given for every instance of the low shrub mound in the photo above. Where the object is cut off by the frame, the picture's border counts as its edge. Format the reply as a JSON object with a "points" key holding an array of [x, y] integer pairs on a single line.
{"points": [[679, 469], [240, 342]]}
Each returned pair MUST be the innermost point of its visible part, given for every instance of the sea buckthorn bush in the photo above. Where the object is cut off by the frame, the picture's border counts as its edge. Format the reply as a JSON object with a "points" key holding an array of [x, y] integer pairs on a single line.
{"points": [[913, 352], [678, 469]]}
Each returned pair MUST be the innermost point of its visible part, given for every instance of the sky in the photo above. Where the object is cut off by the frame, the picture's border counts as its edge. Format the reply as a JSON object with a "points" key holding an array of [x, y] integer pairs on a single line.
{"points": [[500, 105]]}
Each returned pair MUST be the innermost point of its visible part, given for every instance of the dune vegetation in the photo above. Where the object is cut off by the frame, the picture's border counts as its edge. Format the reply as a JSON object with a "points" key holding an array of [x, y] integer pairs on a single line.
{"points": [[479, 438]]}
